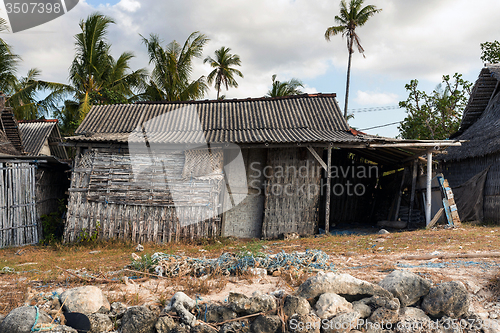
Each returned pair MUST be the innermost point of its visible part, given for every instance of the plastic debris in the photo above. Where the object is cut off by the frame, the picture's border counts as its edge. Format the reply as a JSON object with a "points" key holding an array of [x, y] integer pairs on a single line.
{"points": [[7, 269], [453, 264], [231, 264]]}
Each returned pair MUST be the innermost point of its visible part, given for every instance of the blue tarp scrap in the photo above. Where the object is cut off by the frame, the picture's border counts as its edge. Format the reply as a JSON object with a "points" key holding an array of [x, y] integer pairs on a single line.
{"points": [[453, 264]]}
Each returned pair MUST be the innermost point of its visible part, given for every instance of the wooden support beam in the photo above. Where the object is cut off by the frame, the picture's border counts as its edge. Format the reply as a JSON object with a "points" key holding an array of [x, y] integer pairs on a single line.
{"points": [[413, 188], [428, 204], [400, 194], [328, 190], [414, 144], [318, 158]]}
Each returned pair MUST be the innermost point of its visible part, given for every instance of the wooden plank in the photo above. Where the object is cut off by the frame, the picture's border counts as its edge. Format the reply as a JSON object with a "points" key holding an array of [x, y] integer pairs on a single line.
{"points": [[435, 218]]}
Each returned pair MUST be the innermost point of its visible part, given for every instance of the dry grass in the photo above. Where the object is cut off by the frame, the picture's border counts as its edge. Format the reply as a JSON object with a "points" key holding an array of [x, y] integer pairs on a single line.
{"points": [[494, 286], [35, 266]]}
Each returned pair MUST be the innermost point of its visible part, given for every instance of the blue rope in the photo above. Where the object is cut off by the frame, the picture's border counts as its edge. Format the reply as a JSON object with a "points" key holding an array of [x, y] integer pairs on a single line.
{"points": [[231, 264], [36, 319]]}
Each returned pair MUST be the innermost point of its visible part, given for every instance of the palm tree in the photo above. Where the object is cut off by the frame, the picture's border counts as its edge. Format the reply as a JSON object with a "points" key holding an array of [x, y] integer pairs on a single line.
{"points": [[348, 20], [285, 88], [173, 65], [8, 63], [223, 74], [23, 98], [95, 76], [21, 93]]}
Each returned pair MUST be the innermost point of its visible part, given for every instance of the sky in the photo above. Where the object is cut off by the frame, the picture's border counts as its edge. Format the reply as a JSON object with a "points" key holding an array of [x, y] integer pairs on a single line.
{"points": [[408, 39]]}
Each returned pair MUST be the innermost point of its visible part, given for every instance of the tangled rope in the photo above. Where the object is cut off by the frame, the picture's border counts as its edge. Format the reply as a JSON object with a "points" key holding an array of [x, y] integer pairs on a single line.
{"points": [[39, 327], [230, 264]]}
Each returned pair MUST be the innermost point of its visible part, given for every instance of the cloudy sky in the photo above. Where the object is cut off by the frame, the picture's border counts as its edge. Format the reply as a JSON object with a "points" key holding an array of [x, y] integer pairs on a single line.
{"points": [[409, 39]]}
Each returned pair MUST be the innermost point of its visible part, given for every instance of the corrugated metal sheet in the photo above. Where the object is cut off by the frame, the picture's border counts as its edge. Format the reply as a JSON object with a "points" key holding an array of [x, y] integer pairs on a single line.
{"points": [[36, 133], [303, 118]]}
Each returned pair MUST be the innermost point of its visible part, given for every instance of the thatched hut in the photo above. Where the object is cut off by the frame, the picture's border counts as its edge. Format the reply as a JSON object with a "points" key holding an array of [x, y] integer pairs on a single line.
{"points": [[474, 167]]}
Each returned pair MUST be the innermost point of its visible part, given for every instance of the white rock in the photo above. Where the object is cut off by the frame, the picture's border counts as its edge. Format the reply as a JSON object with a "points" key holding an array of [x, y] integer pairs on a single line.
{"points": [[330, 304], [340, 284], [87, 300], [182, 303]]}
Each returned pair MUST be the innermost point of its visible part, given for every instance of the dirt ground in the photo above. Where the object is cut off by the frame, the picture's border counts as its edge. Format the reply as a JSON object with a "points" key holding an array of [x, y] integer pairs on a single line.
{"points": [[30, 274]]}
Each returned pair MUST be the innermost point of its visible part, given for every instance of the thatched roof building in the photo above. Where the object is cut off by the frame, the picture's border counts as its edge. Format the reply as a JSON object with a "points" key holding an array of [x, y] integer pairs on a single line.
{"points": [[481, 119], [480, 156], [6, 147]]}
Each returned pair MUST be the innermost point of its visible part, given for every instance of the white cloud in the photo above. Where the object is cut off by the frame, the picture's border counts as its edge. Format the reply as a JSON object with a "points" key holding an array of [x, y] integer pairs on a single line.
{"points": [[130, 6], [409, 39], [373, 98]]}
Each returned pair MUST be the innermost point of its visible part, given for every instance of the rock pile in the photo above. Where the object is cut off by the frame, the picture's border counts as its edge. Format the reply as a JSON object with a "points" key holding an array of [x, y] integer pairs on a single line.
{"points": [[402, 302]]}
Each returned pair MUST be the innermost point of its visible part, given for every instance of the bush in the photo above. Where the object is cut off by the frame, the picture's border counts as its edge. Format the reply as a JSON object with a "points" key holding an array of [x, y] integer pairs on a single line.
{"points": [[53, 225]]}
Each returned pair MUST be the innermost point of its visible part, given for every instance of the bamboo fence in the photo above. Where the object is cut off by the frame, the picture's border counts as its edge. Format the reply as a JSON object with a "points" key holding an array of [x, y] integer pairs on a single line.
{"points": [[18, 221]]}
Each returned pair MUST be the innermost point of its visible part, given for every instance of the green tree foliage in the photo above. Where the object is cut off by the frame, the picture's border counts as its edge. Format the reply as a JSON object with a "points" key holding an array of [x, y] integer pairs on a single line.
{"points": [[96, 77], [490, 52], [285, 88], [21, 93], [170, 79], [8, 63], [223, 74], [437, 115], [351, 16]]}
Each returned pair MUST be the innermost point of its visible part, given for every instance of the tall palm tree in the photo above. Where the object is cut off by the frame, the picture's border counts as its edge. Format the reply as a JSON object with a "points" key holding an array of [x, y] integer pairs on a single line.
{"points": [[173, 65], [349, 19], [223, 74], [285, 88], [95, 76]]}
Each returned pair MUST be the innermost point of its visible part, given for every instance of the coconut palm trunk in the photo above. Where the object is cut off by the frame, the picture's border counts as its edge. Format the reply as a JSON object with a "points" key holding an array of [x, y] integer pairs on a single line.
{"points": [[348, 81], [351, 16]]}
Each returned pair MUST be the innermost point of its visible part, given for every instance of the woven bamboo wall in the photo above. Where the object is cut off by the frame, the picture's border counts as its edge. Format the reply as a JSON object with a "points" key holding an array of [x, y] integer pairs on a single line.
{"points": [[295, 211], [18, 220], [105, 197], [458, 172]]}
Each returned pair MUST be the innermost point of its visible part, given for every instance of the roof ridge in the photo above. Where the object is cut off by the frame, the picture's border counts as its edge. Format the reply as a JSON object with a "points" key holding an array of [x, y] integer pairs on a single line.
{"points": [[38, 121], [237, 100]]}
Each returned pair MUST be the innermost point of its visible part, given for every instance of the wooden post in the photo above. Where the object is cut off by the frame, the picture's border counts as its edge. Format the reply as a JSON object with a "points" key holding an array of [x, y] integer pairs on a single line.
{"points": [[428, 203], [328, 190], [400, 193], [413, 188]]}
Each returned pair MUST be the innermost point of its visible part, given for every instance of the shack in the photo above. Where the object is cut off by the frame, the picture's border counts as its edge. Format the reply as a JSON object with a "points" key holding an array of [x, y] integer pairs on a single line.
{"points": [[248, 168], [473, 169], [31, 184], [42, 137]]}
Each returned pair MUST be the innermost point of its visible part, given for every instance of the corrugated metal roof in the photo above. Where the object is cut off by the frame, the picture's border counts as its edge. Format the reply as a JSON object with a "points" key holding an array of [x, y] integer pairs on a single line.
{"points": [[302, 118], [35, 133]]}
